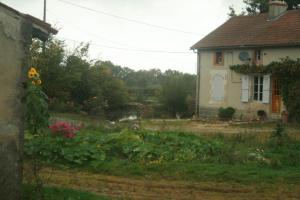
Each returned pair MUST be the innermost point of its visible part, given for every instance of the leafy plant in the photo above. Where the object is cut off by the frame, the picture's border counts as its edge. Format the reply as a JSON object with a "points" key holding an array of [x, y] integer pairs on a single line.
{"points": [[36, 105], [279, 135], [37, 119], [226, 113], [64, 128], [261, 114]]}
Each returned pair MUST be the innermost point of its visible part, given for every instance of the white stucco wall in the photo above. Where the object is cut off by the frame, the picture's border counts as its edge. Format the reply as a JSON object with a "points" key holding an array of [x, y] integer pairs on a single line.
{"points": [[232, 81]]}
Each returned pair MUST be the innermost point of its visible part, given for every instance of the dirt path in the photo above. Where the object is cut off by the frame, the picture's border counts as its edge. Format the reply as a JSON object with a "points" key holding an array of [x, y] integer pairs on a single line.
{"points": [[142, 189]]}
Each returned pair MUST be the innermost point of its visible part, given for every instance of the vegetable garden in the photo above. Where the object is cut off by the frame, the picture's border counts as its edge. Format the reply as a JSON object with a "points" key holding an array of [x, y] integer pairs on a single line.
{"points": [[173, 155]]}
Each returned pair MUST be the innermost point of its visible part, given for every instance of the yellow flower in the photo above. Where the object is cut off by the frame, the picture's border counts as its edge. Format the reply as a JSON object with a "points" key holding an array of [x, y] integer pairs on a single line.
{"points": [[32, 70], [30, 75], [39, 82], [33, 82]]}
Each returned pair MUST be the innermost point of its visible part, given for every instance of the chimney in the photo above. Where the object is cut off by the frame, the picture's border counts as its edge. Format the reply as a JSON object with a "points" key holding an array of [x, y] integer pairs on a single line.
{"points": [[277, 8]]}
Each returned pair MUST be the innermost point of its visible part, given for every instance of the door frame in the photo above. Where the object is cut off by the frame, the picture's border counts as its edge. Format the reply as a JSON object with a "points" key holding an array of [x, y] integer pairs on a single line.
{"points": [[276, 101]]}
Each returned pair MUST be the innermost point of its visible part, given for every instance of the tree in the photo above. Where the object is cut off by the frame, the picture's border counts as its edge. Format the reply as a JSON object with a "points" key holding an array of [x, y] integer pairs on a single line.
{"points": [[232, 12], [49, 62], [254, 7], [113, 89], [177, 91]]}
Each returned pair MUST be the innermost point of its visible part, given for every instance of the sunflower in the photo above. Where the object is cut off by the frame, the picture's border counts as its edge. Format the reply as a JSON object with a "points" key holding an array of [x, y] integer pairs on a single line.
{"points": [[31, 75], [32, 70], [39, 82]]}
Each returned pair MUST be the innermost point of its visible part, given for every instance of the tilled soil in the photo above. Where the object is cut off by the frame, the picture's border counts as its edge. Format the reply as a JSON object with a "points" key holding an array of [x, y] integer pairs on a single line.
{"points": [[143, 189]]}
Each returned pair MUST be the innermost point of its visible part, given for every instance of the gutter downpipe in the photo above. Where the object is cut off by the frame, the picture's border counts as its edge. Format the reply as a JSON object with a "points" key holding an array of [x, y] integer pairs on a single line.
{"points": [[198, 83]]}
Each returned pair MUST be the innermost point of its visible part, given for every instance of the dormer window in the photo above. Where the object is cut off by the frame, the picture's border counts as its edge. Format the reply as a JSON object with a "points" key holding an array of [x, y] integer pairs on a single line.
{"points": [[219, 58]]}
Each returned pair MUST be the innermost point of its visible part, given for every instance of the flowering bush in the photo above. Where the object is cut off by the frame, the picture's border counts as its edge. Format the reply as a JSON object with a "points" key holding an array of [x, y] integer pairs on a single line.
{"points": [[64, 128]]}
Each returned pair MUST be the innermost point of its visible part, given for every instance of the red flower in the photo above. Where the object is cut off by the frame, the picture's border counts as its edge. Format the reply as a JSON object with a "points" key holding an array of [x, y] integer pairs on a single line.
{"points": [[65, 129]]}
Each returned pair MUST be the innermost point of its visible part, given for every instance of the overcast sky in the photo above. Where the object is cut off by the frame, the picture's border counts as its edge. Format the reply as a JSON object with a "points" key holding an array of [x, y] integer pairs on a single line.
{"points": [[124, 37]]}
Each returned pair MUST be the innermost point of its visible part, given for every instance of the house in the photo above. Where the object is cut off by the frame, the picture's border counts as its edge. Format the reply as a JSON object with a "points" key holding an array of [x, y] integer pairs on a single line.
{"points": [[16, 33], [258, 39]]}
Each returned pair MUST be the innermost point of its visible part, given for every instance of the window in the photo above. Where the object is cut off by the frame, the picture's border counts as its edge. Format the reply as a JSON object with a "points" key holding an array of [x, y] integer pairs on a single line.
{"points": [[219, 58], [258, 88], [258, 57]]}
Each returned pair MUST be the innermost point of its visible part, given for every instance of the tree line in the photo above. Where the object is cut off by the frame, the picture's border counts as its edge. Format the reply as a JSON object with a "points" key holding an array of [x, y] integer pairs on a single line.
{"points": [[74, 83]]}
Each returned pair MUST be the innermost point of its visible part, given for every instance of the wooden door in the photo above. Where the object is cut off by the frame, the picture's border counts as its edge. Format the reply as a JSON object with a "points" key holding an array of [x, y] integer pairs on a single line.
{"points": [[276, 97]]}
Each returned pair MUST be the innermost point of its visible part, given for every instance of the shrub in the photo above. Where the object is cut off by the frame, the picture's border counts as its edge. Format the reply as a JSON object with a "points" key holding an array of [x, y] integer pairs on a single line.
{"points": [[279, 136], [226, 113], [261, 114], [61, 106], [64, 128]]}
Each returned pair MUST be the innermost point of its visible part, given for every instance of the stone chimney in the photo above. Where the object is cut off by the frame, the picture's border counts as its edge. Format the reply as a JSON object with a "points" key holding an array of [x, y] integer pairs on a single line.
{"points": [[277, 8]]}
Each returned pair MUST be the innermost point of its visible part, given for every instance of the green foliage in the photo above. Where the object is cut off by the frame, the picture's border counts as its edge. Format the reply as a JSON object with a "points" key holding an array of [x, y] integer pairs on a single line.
{"points": [[253, 7], [92, 149], [256, 6], [226, 113], [73, 83], [171, 155], [248, 69], [261, 113], [232, 12], [287, 72], [279, 136], [36, 108], [177, 90]]}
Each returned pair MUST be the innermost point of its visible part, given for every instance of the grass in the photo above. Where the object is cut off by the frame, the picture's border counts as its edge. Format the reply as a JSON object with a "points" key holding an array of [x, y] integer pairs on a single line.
{"points": [[199, 172], [53, 193]]}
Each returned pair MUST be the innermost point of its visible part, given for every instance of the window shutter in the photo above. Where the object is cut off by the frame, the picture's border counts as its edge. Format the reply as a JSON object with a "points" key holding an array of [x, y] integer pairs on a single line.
{"points": [[266, 88], [245, 88]]}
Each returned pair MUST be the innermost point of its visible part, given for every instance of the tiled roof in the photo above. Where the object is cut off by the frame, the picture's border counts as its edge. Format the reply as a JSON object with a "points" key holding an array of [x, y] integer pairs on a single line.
{"points": [[255, 31]]}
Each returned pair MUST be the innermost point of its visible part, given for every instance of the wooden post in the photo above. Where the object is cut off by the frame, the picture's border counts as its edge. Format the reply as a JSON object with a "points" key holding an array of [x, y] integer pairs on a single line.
{"points": [[45, 10]]}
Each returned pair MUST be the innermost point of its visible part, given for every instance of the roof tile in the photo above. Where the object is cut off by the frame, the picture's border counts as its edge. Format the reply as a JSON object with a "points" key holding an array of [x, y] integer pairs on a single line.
{"points": [[243, 31]]}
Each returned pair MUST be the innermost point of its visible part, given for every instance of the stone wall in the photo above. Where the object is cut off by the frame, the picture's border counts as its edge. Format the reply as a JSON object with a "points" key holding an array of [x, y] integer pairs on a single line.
{"points": [[13, 48]]}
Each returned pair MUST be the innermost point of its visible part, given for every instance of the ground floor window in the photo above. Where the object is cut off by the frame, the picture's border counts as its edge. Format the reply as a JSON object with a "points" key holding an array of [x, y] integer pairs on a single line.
{"points": [[258, 88]]}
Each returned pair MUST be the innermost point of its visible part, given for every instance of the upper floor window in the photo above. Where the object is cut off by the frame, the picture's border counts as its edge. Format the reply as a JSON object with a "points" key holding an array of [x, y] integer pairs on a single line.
{"points": [[219, 58], [258, 56]]}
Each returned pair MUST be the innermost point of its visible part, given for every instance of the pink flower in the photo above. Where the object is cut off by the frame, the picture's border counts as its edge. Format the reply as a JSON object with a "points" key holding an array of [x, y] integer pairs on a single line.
{"points": [[64, 129]]}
